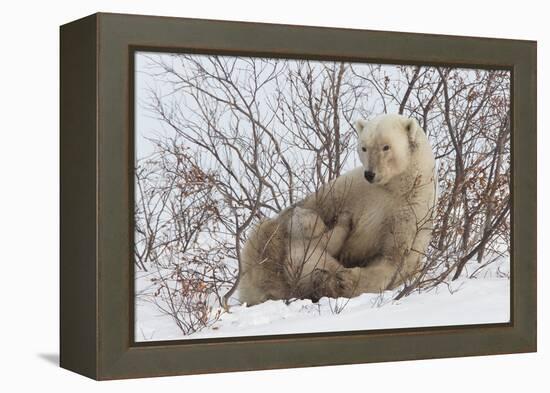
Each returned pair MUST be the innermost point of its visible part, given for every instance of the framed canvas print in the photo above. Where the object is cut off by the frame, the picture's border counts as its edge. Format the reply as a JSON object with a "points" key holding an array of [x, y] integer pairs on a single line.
{"points": [[239, 196]]}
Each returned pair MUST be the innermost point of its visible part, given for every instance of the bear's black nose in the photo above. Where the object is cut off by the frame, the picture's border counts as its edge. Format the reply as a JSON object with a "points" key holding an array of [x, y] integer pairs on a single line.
{"points": [[369, 176]]}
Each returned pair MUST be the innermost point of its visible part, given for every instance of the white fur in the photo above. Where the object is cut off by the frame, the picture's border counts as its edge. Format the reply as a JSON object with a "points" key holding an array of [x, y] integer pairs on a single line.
{"points": [[391, 219]]}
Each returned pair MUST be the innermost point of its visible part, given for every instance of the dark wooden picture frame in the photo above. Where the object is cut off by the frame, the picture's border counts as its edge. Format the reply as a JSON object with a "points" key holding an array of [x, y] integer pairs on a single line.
{"points": [[97, 207]]}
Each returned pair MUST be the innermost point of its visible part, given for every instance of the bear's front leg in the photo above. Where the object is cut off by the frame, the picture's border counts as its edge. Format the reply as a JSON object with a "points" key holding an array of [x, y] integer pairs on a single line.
{"points": [[398, 261], [374, 278]]}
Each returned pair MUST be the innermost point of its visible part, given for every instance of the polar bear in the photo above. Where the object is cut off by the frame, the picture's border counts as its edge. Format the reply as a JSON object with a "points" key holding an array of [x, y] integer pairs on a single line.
{"points": [[292, 256], [310, 265], [391, 199]]}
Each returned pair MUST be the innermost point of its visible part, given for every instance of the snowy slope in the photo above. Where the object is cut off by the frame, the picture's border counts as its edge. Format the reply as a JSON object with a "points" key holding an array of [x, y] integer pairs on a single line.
{"points": [[466, 301]]}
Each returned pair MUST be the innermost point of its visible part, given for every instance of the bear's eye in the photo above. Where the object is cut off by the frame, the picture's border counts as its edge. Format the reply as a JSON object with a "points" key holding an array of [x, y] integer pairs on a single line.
{"points": [[386, 147], [364, 148]]}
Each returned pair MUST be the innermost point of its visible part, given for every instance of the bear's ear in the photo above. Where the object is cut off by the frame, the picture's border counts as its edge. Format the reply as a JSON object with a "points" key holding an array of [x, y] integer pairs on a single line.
{"points": [[360, 125], [412, 127]]}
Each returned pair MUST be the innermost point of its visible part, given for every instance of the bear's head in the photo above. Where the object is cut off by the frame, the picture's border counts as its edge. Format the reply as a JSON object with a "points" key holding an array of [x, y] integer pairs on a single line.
{"points": [[305, 223], [385, 145]]}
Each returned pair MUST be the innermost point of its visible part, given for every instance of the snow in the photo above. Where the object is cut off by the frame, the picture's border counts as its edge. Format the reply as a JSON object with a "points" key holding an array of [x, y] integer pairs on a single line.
{"points": [[465, 302]]}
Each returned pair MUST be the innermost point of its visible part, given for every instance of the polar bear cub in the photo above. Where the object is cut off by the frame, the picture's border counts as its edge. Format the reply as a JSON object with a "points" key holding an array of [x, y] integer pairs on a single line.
{"points": [[311, 265]]}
